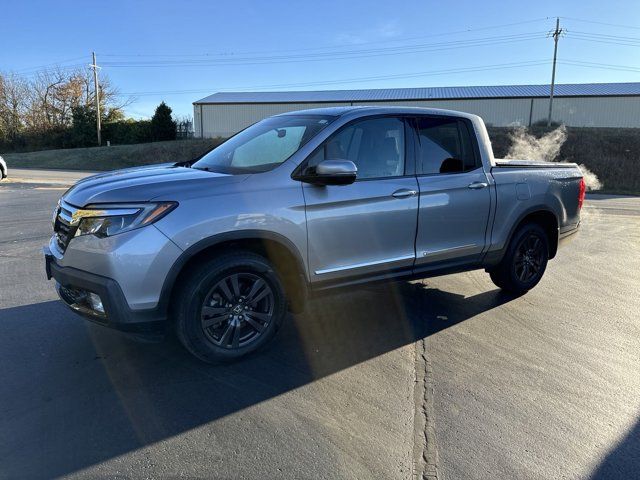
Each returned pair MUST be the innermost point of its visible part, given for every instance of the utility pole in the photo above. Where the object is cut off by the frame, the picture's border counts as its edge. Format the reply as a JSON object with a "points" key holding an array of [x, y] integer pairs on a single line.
{"points": [[95, 67], [556, 36]]}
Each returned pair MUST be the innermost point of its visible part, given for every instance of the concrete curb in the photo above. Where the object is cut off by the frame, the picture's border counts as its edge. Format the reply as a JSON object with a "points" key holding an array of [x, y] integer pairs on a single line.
{"points": [[425, 452]]}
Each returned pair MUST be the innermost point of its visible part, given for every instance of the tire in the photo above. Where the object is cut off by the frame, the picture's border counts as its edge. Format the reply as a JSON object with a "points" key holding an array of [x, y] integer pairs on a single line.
{"points": [[229, 306], [524, 262]]}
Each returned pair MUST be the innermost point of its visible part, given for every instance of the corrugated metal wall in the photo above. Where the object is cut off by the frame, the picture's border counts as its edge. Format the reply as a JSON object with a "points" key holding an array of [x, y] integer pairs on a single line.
{"points": [[498, 112], [591, 111], [225, 120]]}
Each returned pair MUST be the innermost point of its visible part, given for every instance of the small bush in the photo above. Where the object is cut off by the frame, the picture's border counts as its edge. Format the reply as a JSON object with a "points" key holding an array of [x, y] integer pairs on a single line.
{"points": [[126, 132]]}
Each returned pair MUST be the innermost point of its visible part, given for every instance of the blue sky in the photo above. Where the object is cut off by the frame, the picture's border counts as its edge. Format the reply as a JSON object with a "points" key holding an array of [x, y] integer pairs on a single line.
{"points": [[181, 51]]}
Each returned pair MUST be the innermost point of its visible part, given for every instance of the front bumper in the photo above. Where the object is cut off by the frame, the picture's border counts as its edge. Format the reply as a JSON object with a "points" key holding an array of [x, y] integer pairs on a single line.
{"points": [[73, 284]]}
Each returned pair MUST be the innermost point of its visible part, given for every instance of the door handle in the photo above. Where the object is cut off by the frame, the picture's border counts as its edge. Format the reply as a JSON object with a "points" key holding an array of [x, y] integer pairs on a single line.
{"points": [[477, 185], [404, 193]]}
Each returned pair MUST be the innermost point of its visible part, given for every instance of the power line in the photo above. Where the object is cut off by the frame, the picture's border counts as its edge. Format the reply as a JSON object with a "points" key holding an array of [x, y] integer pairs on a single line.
{"points": [[399, 48], [63, 68], [347, 55], [58, 63], [357, 51], [601, 23], [605, 66], [327, 47], [530, 63], [604, 40], [605, 35]]}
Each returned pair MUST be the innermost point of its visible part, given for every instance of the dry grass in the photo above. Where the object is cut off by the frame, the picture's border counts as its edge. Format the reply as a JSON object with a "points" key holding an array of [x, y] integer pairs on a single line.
{"points": [[613, 154], [110, 158]]}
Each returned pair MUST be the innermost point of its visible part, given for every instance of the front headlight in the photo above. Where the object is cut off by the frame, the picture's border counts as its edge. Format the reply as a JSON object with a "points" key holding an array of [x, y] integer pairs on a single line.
{"points": [[107, 220]]}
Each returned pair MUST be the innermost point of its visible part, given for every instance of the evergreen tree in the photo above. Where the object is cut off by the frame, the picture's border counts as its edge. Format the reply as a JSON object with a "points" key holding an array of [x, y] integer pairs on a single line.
{"points": [[83, 130], [162, 125]]}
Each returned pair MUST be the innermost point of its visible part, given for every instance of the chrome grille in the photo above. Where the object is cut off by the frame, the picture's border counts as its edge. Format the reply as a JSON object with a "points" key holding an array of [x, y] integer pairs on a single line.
{"points": [[63, 228]]}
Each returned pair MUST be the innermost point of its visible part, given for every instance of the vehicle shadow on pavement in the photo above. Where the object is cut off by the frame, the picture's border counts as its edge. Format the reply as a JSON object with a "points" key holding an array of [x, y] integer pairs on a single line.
{"points": [[73, 395], [623, 461]]}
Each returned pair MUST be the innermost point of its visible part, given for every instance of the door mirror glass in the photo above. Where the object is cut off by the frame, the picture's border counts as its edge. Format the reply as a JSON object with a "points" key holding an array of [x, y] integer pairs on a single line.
{"points": [[331, 172]]}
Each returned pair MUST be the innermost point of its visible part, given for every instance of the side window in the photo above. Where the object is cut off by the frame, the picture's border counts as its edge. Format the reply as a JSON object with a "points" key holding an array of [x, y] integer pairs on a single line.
{"points": [[376, 146], [445, 146]]}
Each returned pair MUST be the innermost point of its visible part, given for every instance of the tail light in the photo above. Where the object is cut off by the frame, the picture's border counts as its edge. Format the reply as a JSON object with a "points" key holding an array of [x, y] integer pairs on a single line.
{"points": [[581, 193]]}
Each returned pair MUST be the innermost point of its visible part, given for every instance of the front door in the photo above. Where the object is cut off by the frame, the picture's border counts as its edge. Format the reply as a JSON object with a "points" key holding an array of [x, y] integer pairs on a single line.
{"points": [[367, 227], [455, 198]]}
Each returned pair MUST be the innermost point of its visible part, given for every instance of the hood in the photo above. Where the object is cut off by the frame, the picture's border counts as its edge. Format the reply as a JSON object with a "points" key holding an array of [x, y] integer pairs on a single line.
{"points": [[142, 184]]}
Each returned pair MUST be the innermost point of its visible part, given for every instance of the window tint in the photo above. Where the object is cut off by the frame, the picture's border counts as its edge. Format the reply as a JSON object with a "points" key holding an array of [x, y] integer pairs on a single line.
{"points": [[376, 147], [444, 146]]}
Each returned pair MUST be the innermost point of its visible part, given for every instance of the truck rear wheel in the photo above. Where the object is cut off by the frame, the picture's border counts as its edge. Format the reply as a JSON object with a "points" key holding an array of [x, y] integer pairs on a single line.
{"points": [[229, 306], [524, 262]]}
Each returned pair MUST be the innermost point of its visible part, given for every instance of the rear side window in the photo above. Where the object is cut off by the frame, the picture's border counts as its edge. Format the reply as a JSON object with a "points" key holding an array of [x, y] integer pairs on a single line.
{"points": [[445, 146], [376, 146]]}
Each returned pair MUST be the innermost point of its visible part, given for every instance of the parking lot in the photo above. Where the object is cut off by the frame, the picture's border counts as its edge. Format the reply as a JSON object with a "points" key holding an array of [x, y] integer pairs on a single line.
{"points": [[542, 386]]}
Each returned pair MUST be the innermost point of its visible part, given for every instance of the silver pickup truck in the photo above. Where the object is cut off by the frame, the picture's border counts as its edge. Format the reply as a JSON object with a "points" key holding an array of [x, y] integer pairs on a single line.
{"points": [[219, 249]]}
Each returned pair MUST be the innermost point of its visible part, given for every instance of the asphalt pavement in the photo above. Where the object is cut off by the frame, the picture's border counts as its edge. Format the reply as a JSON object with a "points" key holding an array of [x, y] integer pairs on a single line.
{"points": [[546, 385], [542, 386], [46, 177]]}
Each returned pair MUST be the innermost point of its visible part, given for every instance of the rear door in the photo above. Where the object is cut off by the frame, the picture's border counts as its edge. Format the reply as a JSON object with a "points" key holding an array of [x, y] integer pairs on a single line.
{"points": [[454, 201], [367, 227]]}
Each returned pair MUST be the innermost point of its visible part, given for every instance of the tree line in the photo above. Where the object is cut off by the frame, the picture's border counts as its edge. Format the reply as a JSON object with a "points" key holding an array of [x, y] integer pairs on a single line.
{"points": [[56, 109]]}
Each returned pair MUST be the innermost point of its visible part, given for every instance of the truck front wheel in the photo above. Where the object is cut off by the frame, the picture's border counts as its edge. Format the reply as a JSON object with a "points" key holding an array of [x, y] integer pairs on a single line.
{"points": [[229, 306], [524, 262]]}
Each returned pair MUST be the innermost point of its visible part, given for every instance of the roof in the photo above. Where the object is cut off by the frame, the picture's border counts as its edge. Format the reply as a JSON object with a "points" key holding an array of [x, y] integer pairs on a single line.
{"points": [[326, 111], [363, 110], [426, 93]]}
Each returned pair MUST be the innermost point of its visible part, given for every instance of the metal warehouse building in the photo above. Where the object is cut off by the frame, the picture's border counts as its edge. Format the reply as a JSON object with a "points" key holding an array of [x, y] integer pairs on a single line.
{"points": [[578, 105]]}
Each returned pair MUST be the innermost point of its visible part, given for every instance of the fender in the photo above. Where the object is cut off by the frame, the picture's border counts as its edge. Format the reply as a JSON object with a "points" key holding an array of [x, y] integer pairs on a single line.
{"points": [[494, 257], [200, 246]]}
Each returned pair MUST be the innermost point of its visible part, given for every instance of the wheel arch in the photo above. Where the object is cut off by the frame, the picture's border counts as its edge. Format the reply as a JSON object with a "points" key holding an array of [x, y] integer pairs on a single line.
{"points": [[279, 250], [544, 217]]}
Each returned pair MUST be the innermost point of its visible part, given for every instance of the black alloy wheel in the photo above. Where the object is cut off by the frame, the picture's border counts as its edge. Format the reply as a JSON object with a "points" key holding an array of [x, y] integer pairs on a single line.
{"points": [[529, 257], [237, 310], [524, 261], [228, 306]]}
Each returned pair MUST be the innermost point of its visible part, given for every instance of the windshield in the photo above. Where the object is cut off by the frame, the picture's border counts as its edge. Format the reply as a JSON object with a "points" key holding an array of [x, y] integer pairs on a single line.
{"points": [[264, 145]]}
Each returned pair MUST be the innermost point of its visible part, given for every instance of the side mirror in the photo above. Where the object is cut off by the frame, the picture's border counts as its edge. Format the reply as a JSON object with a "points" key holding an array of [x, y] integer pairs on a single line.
{"points": [[331, 172]]}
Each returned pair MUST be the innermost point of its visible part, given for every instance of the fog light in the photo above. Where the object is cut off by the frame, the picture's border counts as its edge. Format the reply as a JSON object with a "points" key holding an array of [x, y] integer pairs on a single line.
{"points": [[95, 302]]}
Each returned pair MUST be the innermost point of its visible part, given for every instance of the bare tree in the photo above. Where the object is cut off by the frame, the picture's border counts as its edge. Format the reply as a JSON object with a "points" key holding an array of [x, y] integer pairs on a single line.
{"points": [[13, 105], [54, 93], [39, 109]]}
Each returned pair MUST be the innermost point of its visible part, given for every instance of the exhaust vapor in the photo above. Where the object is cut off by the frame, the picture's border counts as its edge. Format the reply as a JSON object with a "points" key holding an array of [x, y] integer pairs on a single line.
{"points": [[546, 148]]}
